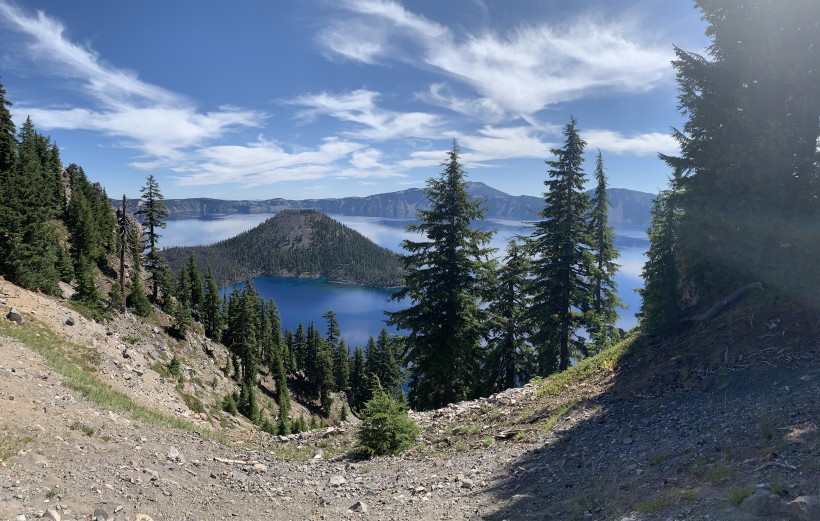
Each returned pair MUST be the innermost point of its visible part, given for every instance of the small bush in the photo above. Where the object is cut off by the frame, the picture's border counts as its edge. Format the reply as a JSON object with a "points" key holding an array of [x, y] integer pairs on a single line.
{"points": [[386, 428], [737, 495], [175, 367], [229, 404]]}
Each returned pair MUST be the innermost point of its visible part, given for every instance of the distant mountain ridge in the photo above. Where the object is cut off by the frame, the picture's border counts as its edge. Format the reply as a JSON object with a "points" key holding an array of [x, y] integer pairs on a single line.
{"points": [[627, 206], [295, 243]]}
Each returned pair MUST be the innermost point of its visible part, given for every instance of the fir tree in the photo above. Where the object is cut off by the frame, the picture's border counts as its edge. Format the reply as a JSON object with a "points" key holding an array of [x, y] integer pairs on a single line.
{"points": [[282, 396], [749, 160], [509, 361], [197, 294], [154, 213], [661, 307], [117, 302], [446, 274], [341, 366], [212, 315], [603, 310], [136, 299], [562, 265], [358, 389]]}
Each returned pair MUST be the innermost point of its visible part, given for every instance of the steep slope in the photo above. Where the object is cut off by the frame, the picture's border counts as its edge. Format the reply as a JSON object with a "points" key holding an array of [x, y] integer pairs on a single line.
{"points": [[628, 206], [718, 422], [296, 243]]}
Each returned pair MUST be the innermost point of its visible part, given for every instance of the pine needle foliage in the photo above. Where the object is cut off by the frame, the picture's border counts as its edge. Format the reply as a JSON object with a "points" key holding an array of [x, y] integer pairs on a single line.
{"points": [[447, 274]]}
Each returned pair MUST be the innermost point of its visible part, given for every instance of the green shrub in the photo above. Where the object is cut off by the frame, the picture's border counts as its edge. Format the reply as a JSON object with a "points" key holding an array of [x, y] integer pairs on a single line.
{"points": [[229, 404], [175, 367], [386, 428]]}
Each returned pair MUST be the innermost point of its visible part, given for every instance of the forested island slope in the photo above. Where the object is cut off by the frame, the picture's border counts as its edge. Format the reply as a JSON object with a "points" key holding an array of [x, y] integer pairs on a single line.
{"points": [[295, 243]]}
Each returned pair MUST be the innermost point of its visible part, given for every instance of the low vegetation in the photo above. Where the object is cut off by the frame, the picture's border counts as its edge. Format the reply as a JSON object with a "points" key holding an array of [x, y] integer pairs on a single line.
{"points": [[78, 366]]}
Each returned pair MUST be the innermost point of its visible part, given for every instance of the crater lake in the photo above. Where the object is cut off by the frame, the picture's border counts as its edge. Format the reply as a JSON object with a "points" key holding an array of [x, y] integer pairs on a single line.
{"points": [[360, 310]]}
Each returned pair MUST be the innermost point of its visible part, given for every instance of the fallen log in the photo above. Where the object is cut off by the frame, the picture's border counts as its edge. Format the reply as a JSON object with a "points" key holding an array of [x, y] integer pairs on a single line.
{"points": [[720, 305]]}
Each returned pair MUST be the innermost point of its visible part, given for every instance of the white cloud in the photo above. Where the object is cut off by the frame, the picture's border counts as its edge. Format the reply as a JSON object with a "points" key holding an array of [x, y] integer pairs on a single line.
{"points": [[521, 72], [641, 144], [372, 122], [146, 117], [264, 162]]}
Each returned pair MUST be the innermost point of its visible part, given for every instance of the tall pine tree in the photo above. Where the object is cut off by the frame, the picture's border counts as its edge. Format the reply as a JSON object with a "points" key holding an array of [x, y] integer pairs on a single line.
{"points": [[560, 244], [154, 213], [603, 310], [446, 282], [509, 361]]}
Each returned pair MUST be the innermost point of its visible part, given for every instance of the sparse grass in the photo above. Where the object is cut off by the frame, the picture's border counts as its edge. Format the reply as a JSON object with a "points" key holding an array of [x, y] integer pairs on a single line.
{"points": [[11, 444], [77, 365], [192, 402], [716, 475], [51, 494], [131, 339], [778, 489], [290, 452], [80, 426], [365, 469], [487, 442], [666, 501], [550, 423], [161, 369], [738, 494], [461, 446], [653, 505], [766, 431], [605, 361], [657, 459]]}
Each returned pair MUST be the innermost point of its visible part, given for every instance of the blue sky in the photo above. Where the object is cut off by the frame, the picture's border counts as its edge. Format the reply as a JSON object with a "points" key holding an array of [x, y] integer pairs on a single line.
{"points": [[259, 99]]}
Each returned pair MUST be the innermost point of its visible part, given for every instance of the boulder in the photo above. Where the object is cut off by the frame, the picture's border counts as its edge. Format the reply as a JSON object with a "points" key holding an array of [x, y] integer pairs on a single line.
{"points": [[69, 321], [359, 506], [336, 480], [15, 316]]}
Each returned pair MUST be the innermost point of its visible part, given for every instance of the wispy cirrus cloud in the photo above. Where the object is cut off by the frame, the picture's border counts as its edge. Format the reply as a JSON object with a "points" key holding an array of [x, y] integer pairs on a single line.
{"points": [[143, 116], [370, 121], [649, 143], [520, 72]]}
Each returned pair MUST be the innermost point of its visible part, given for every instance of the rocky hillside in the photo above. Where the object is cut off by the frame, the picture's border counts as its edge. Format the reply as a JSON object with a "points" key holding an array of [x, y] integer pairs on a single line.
{"points": [[719, 422], [295, 243], [627, 206]]}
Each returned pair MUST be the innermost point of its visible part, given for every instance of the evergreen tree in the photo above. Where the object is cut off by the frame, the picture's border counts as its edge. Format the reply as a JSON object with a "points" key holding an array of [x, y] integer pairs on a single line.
{"points": [[358, 390], [8, 141], [325, 382], [197, 294], [562, 265], [125, 241], [136, 299], [212, 315], [603, 311], [446, 274], [282, 397], [509, 361], [117, 302], [154, 213], [749, 159], [86, 285], [341, 366], [661, 307], [300, 347], [182, 318], [386, 427]]}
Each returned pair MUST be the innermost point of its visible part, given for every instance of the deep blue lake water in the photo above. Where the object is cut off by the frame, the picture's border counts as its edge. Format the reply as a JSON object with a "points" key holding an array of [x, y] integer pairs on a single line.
{"points": [[360, 310]]}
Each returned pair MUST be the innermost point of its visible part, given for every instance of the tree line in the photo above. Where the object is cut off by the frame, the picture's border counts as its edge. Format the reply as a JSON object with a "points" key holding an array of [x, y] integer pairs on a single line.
{"points": [[476, 326]]}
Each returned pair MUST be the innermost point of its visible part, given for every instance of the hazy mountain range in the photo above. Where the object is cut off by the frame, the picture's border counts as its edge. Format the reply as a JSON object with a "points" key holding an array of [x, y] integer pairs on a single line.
{"points": [[626, 206]]}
